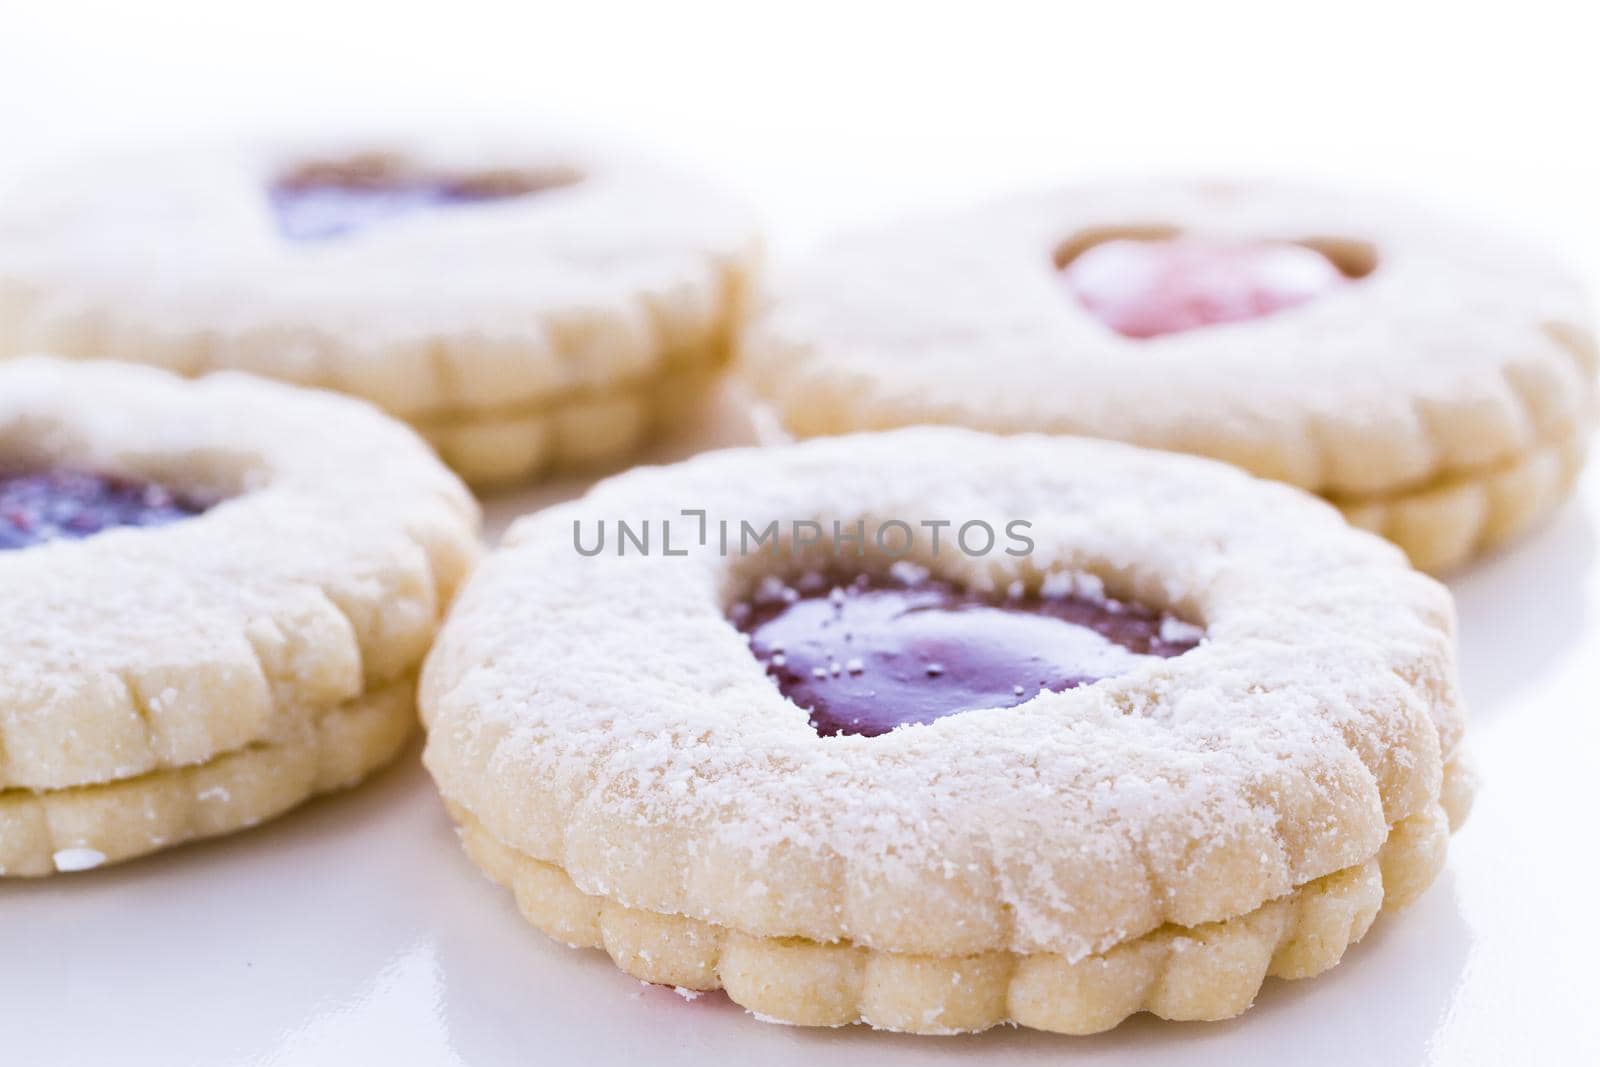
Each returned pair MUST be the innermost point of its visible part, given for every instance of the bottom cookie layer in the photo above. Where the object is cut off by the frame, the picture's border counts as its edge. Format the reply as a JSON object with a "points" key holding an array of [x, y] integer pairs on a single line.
{"points": [[581, 433], [1206, 972], [1443, 526], [77, 829]]}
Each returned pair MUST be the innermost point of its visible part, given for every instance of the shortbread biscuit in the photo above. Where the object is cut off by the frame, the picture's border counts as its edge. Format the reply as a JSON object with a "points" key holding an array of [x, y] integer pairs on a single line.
{"points": [[1433, 381], [527, 303], [218, 594], [805, 776]]}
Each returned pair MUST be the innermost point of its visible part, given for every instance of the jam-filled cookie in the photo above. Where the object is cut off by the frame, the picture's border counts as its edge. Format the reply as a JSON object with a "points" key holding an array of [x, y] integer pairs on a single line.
{"points": [[934, 729], [527, 303], [217, 598], [1433, 381]]}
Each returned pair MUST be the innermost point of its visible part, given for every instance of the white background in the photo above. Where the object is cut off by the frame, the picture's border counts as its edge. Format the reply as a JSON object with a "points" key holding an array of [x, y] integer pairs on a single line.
{"points": [[355, 929]]}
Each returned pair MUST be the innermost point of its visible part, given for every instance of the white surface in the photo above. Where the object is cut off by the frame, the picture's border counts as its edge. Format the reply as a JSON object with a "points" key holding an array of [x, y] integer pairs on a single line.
{"points": [[838, 110], [354, 931]]}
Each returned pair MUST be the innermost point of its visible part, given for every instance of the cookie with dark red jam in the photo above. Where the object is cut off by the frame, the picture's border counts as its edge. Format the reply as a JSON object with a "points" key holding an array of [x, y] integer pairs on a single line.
{"points": [[534, 303], [43, 506], [1200, 732], [215, 599], [868, 654]]}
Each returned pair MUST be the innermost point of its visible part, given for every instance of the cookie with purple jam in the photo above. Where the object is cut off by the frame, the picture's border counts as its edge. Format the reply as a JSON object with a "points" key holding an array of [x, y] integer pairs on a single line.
{"points": [[935, 730], [1434, 381], [218, 594], [528, 302]]}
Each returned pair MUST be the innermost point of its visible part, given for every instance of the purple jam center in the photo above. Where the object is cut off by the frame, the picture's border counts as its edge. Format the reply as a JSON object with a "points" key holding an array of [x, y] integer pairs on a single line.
{"points": [[870, 654], [55, 505], [326, 201]]}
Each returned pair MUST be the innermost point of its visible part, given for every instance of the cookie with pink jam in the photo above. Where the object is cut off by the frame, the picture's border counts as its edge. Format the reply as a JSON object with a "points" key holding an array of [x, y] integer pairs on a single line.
{"points": [[217, 598], [1434, 380], [529, 302], [935, 730]]}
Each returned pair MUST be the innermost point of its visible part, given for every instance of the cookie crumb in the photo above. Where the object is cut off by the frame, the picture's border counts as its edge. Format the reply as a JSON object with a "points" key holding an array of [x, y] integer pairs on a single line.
{"points": [[78, 859]]}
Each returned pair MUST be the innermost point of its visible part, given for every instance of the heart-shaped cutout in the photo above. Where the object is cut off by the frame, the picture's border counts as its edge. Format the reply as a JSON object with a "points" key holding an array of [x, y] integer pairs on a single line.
{"points": [[1144, 288]]}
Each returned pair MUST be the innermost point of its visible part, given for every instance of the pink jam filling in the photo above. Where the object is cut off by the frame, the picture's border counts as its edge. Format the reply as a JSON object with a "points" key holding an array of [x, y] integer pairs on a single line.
{"points": [[1146, 289], [870, 654]]}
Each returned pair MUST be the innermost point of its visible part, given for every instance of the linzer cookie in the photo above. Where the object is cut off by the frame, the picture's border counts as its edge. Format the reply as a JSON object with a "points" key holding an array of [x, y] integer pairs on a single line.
{"points": [[527, 303], [935, 730], [1433, 381], [217, 598]]}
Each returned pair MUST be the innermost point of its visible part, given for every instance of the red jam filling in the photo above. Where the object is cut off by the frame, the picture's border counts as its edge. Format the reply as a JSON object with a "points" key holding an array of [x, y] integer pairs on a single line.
{"points": [[1146, 289], [322, 201], [53, 505], [870, 654]]}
